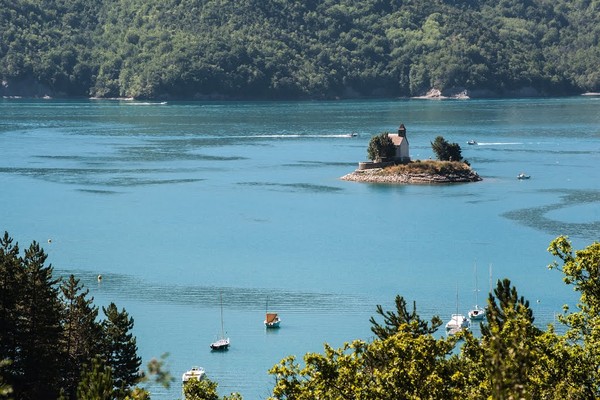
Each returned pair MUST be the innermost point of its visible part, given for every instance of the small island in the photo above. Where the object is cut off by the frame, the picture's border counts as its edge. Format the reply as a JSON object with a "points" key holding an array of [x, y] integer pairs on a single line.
{"points": [[391, 163]]}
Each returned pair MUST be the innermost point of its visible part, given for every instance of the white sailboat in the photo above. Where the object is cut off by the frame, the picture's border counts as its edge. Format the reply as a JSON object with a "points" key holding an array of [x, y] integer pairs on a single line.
{"points": [[272, 320], [222, 343], [476, 313], [458, 322]]}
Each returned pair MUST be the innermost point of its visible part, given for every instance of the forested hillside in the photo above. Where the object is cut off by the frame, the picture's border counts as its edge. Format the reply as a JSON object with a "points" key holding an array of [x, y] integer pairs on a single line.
{"points": [[298, 49]]}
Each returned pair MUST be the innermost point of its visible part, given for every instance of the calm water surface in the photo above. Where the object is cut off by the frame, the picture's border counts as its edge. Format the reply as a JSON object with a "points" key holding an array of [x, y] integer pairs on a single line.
{"points": [[175, 204]]}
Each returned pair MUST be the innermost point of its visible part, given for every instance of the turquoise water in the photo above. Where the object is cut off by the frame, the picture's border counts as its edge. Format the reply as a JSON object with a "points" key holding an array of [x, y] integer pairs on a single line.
{"points": [[176, 203]]}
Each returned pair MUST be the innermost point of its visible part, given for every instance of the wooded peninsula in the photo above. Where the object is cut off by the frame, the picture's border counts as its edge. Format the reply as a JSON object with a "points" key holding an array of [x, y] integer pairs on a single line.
{"points": [[287, 49]]}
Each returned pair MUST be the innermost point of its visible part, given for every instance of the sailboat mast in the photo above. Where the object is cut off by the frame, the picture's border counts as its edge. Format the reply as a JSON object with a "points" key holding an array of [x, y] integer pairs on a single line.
{"points": [[476, 287], [491, 288], [457, 298], [222, 329]]}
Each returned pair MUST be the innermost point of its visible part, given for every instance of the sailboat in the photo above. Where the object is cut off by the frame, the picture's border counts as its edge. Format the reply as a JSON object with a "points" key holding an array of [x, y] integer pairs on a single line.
{"points": [[272, 320], [476, 313], [458, 322], [222, 343]]}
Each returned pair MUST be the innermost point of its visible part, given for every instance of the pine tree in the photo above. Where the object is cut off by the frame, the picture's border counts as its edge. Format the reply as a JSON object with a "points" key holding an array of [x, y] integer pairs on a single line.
{"points": [[96, 382], [82, 333], [120, 349], [11, 283], [411, 321], [509, 340], [39, 329]]}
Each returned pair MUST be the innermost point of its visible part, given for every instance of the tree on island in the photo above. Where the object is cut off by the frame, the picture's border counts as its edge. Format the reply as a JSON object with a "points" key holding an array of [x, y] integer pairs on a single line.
{"points": [[381, 147], [446, 151]]}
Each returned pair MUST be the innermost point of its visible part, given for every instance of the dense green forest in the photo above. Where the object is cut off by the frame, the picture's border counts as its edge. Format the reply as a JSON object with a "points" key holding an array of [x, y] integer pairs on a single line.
{"points": [[260, 49]]}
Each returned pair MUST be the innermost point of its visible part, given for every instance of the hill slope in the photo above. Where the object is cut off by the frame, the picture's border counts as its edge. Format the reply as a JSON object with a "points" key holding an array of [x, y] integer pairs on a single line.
{"points": [[293, 49]]}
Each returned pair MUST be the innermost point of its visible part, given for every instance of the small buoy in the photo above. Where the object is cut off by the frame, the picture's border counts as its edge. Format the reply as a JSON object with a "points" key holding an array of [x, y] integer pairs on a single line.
{"points": [[538, 300], [49, 240], [99, 278]]}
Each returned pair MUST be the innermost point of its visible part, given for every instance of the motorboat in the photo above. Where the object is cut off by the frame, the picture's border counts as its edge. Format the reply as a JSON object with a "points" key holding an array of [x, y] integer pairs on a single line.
{"points": [[523, 176], [471, 142], [196, 373], [457, 323]]}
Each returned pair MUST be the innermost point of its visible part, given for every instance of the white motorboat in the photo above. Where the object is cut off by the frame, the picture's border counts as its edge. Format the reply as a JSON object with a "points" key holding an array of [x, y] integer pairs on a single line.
{"points": [[471, 142], [523, 176], [196, 373]]}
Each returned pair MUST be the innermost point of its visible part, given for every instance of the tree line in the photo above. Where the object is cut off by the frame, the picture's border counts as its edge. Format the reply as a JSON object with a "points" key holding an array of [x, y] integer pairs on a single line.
{"points": [[52, 343], [274, 49]]}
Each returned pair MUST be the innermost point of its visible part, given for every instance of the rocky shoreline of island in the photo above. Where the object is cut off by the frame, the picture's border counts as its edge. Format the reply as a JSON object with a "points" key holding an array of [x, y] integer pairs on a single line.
{"points": [[450, 173]]}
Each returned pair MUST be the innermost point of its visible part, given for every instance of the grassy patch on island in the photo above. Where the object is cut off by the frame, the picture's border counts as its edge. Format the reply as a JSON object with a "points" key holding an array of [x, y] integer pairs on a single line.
{"points": [[432, 167]]}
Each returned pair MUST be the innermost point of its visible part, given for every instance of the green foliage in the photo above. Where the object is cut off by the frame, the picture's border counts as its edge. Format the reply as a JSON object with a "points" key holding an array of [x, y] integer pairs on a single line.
{"points": [[157, 372], [581, 270], [291, 49], [513, 359], [203, 389], [81, 335], [5, 389], [381, 147], [402, 318], [120, 349], [51, 338], [96, 382], [509, 343], [446, 151]]}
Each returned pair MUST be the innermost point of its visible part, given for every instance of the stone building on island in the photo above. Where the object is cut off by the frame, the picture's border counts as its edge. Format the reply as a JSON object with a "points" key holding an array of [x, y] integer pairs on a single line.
{"points": [[402, 155], [401, 142]]}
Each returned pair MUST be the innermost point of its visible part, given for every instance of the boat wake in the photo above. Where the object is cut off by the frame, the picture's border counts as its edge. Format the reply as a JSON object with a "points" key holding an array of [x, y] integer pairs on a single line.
{"points": [[497, 143], [295, 136], [146, 103]]}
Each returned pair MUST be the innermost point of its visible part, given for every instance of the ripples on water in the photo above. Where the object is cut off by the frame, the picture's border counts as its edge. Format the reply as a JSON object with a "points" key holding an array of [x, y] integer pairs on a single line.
{"points": [[179, 204]]}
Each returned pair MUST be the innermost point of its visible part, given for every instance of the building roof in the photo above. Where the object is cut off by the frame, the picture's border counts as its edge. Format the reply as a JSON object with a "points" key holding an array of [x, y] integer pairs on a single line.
{"points": [[397, 139]]}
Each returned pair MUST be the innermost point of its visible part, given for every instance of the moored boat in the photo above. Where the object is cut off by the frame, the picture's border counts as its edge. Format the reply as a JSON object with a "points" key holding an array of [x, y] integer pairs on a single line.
{"points": [[272, 320], [195, 373], [476, 313], [221, 343], [457, 323]]}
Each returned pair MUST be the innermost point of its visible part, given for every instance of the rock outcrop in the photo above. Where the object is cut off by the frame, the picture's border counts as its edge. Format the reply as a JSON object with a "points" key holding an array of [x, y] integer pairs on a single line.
{"points": [[381, 175]]}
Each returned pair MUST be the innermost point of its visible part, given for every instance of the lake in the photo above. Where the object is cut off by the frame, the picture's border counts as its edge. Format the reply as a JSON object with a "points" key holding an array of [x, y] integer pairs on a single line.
{"points": [[179, 204]]}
